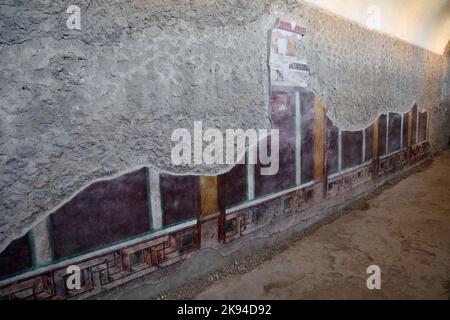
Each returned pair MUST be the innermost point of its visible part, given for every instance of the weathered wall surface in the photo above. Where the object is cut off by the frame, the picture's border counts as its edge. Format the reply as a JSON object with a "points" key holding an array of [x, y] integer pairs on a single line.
{"points": [[76, 106], [442, 113]]}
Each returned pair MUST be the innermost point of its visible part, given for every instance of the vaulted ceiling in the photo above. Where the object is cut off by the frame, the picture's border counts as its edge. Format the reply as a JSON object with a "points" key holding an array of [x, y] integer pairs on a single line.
{"points": [[425, 23]]}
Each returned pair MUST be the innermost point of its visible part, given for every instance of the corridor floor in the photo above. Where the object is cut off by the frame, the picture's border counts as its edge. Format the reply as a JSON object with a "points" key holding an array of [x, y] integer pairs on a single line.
{"points": [[405, 230]]}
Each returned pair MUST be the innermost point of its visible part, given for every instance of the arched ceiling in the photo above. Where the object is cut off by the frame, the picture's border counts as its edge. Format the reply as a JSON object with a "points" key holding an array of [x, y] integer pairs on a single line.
{"points": [[425, 23]]}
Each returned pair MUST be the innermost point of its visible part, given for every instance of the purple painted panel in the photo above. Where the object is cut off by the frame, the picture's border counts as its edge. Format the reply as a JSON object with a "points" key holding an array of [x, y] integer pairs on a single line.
{"points": [[383, 131], [104, 213], [180, 198], [422, 126], [232, 186], [332, 147], [369, 143], [352, 143], [307, 134], [405, 130], [414, 124], [395, 127], [16, 257], [283, 118]]}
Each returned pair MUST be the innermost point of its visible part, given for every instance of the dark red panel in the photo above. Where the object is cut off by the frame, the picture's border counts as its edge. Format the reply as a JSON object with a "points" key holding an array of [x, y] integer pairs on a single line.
{"points": [[351, 149], [405, 130], [422, 126], [180, 198], [232, 186], [369, 143], [104, 213], [395, 127], [16, 257], [383, 131], [283, 118], [332, 154], [414, 124], [307, 134]]}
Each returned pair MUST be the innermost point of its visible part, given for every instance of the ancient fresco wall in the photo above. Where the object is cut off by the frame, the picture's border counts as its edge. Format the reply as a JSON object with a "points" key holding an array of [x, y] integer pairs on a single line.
{"points": [[104, 213], [108, 231], [17, 257], [78, 106], [147, 219]]}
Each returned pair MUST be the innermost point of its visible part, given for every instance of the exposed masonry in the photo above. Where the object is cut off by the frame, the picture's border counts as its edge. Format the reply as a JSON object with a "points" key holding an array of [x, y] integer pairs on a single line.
{"points": [[77, 106]]}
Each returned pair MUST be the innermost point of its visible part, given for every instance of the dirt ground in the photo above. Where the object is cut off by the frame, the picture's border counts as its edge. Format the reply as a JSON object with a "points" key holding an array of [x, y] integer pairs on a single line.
{"points": [[405, 230]]}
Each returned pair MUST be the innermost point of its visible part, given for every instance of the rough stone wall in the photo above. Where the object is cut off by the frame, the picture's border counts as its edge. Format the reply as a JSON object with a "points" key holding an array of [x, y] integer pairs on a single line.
{"points": [[76, 106], [442, 113]]}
